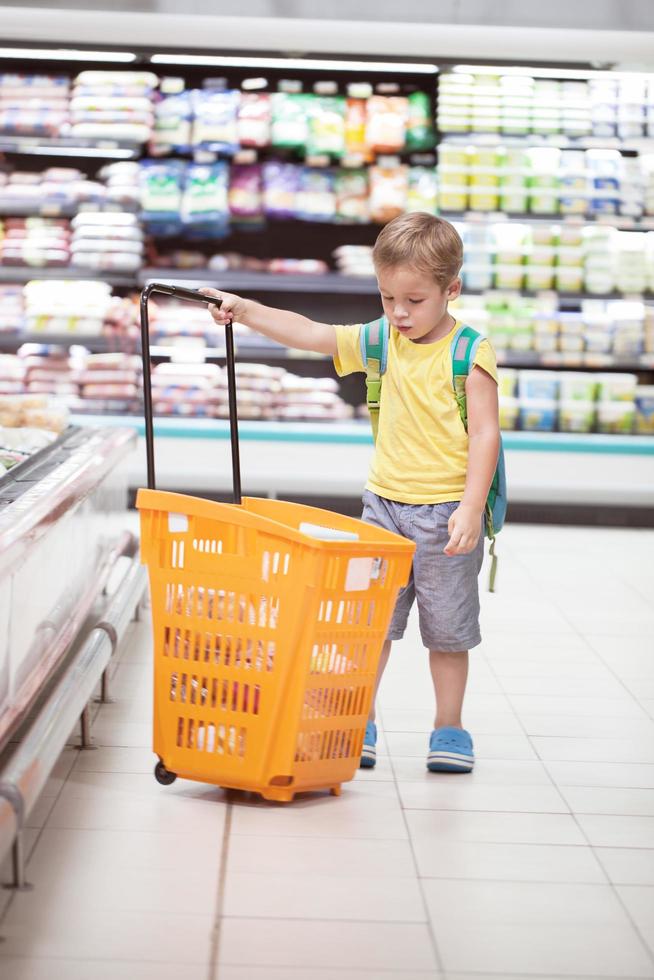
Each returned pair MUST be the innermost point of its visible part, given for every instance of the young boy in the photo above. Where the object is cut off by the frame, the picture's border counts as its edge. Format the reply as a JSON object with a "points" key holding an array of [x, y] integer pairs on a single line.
{"points": [[428, 479]]}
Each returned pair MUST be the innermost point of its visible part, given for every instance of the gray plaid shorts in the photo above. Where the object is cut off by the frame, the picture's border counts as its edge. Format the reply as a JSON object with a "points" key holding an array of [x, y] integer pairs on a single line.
{"points": [[445, 586]]}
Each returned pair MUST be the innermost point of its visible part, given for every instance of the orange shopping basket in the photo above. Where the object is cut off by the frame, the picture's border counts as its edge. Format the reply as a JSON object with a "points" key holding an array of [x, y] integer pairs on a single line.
{"points": [[268, 622]]}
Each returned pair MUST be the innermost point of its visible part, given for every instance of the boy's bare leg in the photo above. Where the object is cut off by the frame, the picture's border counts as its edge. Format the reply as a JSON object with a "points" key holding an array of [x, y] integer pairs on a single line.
{"points": [[383, 660], [449, 673]]}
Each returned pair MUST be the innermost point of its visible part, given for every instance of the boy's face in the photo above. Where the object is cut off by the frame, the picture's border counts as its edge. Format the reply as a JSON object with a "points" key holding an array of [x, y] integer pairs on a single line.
{"points": [[415, 304]]}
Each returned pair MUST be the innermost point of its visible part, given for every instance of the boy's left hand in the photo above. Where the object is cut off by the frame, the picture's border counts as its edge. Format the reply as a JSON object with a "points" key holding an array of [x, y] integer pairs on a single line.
{"points": [[464, 527]]}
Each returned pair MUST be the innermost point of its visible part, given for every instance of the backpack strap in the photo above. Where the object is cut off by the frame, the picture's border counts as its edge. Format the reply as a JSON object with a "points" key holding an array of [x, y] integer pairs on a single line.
{"points": [[373, 340], [465, 344]]}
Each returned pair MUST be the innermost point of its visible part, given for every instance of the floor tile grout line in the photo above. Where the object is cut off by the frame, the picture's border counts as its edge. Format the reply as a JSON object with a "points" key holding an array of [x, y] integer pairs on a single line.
{"points": [[648, 949], [28, 857], [216, 932], [595, 857], [430, 929]]}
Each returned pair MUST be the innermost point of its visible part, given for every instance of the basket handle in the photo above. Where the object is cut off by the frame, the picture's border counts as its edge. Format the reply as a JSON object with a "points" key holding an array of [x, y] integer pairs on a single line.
{"points": [[195, 297]]}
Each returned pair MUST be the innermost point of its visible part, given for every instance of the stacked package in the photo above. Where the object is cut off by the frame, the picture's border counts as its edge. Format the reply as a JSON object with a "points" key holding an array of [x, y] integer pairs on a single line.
{"points": [[354, 260], [33, 411], [49, 370], [122, 185], [51, 190], [35, 242], [599, 331], [310, 399], [107, 241], [570, 258], [34, 105], [194, 390], [603, 106], [575, 402], [64, 307], [12, 309], [542, 180], [116, 105], [109, 383], [12, 374]]}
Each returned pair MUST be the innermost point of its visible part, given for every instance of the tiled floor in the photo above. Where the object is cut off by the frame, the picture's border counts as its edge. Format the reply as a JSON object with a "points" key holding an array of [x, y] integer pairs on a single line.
{"points": [[540, 864]]}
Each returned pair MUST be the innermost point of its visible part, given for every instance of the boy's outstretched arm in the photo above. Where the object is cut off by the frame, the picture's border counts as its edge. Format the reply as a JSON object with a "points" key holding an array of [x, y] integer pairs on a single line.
{"points": [[290, 329], [483, 448]]}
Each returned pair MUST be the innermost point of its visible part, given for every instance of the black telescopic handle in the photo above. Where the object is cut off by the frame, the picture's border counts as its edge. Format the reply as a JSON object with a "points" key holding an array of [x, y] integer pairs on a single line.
{"points": [[193, 296]]}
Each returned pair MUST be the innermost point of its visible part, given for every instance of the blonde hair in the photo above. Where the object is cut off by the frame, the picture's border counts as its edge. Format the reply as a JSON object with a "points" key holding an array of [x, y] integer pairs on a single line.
{"points": [[425, 243]]}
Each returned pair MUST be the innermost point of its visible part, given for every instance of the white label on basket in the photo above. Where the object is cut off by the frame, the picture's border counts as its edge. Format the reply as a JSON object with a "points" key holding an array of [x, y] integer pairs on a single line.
{"points": [[177, 523], [359, 571]]}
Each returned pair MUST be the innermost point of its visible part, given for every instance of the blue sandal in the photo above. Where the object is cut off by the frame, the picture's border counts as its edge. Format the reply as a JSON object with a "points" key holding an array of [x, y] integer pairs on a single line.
{"points": [[450, 750], [369, 752]]}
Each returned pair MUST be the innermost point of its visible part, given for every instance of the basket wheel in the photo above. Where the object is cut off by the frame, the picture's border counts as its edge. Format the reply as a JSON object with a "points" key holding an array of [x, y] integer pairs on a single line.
{"points": [[163, 776]]}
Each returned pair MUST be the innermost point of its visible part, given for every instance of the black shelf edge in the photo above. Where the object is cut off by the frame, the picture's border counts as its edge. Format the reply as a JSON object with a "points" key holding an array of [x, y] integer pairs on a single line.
{"points": [[103, 148], [264, 282], [620, 222], [642, 144], [265, 352], [23, 274]]}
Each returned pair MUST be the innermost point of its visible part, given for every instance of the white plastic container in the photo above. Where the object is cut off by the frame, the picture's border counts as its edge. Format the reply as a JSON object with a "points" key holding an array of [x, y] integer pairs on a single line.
{"points": [[644, 400], [576, 415], [577, 386], [538, 384], [616, 417], [507, 379], [509, 412], [617, 387], [538, 414]]}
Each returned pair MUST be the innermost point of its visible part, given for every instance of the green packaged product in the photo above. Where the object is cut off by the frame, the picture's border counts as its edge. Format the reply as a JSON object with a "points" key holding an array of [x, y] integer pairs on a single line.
{"points": [[420, 128]]}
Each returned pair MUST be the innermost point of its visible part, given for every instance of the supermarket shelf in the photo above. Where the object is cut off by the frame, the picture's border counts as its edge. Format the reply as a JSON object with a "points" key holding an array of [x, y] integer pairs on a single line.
{"points": [[264, 282], [332, 459], [619, 221], [643, 144], [17, 208], [562, 296], [245, 349], [26, 208], [106, 149], [22, 273], [10, 342], [358, 433]]}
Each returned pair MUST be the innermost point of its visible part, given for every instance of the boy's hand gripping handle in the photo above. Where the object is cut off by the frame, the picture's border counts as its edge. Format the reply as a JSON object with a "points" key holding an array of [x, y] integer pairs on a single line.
{"points": [[195, 297]]}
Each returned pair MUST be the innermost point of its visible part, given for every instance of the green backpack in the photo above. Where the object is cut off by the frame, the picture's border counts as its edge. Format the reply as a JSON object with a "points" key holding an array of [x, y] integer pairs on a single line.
{"points": [[374, 354]]}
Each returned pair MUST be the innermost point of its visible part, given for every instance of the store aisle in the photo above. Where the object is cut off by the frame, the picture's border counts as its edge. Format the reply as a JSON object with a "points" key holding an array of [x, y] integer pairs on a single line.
{"points": [[540, 863]]}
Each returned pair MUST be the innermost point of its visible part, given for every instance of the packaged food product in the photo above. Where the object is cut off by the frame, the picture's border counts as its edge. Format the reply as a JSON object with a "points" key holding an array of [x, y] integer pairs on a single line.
{"points": [[388, 192], [326, 125], [355, 127], [352, 196], [644, 401], [420, 126], [254, 119], [245, 196], [538, 414], [280, 185], [290, 126], [577, 386], [387, 118], [316, 196], [576, 415], [617, 387], [538, 385], [509, 412], [215, 119], [616, 417], [205, 196]]}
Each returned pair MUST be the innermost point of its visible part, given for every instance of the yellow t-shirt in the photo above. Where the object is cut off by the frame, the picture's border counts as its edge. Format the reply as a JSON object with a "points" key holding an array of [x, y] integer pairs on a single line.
{"points": [[421, 455]]}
